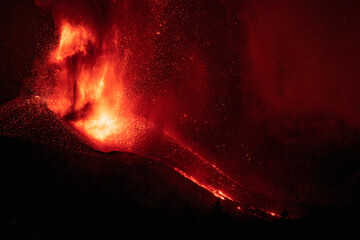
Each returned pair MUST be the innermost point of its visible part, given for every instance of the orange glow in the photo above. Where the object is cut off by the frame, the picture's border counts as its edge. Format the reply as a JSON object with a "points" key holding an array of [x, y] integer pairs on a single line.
{"points": [[73, 40], [273, 214], [89, 87], [214, 191]]}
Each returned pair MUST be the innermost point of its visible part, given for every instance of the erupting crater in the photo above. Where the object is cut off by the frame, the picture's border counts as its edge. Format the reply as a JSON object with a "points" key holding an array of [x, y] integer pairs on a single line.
{"points": [[87, 88]]}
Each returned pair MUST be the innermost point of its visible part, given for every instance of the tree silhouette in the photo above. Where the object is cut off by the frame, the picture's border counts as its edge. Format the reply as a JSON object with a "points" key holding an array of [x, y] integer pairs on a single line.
{"points": [[217, 210]]}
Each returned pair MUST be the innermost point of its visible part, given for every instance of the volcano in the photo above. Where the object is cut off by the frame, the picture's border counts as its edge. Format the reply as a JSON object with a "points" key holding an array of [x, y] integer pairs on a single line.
{"points": [[179, 119]]}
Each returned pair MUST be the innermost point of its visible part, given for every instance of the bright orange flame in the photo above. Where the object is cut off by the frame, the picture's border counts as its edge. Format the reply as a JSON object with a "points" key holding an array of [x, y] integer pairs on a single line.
{"points": [[89, 93], [73, 40]]}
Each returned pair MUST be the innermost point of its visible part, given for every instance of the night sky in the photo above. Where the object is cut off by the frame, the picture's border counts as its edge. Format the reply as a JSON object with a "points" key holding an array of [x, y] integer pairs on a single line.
{"points": [[266, 90]]}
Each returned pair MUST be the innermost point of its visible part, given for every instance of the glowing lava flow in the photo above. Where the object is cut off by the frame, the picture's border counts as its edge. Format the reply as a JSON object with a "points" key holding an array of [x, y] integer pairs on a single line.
{"points": [[217, 193]]}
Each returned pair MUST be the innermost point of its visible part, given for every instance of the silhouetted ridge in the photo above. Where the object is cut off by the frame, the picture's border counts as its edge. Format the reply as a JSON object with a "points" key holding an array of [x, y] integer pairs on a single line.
{"points": [[28, 118]]}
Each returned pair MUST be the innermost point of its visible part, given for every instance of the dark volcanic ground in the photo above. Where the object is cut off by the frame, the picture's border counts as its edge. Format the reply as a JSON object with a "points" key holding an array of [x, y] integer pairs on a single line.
{"points": [[54, 186]]}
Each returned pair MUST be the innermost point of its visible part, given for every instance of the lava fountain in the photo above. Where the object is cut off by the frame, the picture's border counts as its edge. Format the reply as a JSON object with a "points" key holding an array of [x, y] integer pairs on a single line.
{"points": [[88, 90]]}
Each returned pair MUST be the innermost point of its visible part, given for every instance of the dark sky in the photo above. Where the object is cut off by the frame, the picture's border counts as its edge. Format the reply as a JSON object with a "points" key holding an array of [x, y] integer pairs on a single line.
{"points": [[268, 90]]}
